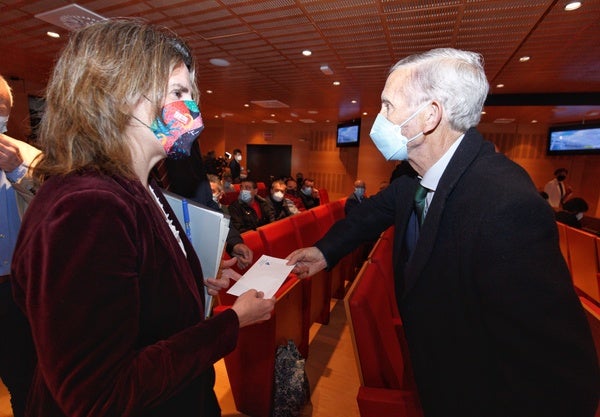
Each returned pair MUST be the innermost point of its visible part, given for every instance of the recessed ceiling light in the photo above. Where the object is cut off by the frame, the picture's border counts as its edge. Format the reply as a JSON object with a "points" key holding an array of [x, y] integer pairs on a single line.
{"points": [[574, 5], [500, 85], [336, 83], [353, 102], [219, 62], [216, 116], [534, 121], [504, 120], [209, 91], [246, 105], [326, 69], [306, 52], [483, 112], [53, 34], [524, 58], [272, 114], [365, 113]]}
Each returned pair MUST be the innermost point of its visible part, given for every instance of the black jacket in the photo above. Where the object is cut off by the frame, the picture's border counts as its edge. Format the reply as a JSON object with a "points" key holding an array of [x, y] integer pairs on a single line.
{"points": [[492, 320], [243, 217]]}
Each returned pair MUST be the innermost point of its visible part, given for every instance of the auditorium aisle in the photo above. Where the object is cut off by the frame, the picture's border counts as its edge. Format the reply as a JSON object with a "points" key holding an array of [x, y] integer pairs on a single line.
{"points": [[330, 367]]}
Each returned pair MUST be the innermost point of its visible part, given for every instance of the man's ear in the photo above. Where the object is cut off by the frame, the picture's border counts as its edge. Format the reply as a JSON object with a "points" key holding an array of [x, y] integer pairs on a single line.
{"points": [[433, 116]]}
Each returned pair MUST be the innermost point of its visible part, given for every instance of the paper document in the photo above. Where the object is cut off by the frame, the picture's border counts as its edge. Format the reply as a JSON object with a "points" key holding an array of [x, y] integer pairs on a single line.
{"points": [[266, 275], [207, 230]]}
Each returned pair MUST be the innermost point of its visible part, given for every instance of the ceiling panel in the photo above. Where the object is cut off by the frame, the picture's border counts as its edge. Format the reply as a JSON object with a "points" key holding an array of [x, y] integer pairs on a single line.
{"points": [[358, 39]]}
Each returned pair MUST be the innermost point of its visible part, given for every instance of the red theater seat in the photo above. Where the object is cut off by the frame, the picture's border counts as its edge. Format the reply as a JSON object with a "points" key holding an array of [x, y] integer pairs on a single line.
{"points": [[564, 245], [280, 239], [337, 209], [251, 365], [387, 386], [306, 228], [584, 263], [307, 233], [381, 256], [323, 196], [323, 217], [261, 189]]}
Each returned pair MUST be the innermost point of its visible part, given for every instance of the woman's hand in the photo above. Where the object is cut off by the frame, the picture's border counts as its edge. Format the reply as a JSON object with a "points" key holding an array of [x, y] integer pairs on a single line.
{"points": [[251, 307], [214, 285]]}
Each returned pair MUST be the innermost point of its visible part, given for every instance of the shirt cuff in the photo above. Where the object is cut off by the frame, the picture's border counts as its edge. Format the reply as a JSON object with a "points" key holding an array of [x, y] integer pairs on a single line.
{"points": [[16, 174]]}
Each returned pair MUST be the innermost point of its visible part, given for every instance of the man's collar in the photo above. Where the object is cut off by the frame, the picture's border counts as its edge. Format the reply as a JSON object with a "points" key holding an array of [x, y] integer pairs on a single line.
{"points": [[432, 177]]}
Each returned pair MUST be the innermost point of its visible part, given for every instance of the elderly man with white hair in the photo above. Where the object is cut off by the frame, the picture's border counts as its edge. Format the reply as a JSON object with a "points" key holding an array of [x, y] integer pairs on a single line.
{"points": [[493, 323]]}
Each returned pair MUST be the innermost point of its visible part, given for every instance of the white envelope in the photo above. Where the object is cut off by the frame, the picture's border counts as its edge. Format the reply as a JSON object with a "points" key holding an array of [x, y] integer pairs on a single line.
{"points": [[267, 274]]}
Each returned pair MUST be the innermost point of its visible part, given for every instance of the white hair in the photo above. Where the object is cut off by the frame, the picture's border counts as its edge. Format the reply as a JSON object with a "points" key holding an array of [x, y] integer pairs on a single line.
{"points": [[452, 77]]}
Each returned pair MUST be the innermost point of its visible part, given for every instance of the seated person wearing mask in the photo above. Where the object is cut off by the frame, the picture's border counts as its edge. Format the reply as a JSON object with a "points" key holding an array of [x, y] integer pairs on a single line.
{"points": [[309, 194], [357, 196], [282, 207], [292, 194], [250, 210]]}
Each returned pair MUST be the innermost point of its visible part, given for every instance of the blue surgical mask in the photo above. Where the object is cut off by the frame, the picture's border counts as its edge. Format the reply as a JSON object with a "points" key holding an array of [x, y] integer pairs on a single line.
{"points": [[388, 137], [307, 191], [3, 122], [359, 191], [246, 196]]}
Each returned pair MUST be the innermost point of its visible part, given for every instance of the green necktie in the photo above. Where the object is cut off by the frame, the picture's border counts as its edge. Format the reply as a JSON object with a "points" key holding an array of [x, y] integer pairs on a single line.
{"points": [[420, 195]]}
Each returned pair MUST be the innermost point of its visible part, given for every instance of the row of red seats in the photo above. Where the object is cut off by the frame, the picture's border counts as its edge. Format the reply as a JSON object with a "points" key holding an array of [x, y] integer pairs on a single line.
{"points": [[387, 385], [581, 251], [299, 303]]}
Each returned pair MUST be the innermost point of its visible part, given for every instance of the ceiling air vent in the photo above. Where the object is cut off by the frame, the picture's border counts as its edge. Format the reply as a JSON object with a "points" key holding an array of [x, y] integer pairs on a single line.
{"points": [[71, 17], [270, 104]]}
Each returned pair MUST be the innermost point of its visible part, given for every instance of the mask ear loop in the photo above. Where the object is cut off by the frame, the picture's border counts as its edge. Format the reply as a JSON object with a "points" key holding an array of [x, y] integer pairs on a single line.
{"points": [[133, 117], [419, 110]]}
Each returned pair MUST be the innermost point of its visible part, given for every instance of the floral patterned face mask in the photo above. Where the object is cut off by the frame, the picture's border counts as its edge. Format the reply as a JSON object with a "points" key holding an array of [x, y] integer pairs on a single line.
{"points": [[180, 124]]}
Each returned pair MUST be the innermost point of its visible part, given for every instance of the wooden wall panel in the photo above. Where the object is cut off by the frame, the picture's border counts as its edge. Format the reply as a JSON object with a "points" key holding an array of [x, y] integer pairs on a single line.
{"points": [[526, 145]]}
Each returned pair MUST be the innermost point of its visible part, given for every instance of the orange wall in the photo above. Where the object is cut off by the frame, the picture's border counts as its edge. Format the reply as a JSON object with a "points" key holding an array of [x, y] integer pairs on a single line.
{"points": [[526, 145], [315, 155]]}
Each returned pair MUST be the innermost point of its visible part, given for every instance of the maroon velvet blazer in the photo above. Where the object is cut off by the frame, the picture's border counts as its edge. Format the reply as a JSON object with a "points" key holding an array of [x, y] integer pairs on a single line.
{"points": [[114, 305]]}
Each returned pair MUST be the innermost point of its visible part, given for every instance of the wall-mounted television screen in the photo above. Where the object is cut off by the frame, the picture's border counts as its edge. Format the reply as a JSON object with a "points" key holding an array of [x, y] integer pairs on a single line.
{"points": [[348, 133], [574, 139]]}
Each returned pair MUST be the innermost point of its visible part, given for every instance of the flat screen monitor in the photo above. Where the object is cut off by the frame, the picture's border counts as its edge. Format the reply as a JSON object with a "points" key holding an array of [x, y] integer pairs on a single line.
{"points": [[574, 139], [348, 134]]}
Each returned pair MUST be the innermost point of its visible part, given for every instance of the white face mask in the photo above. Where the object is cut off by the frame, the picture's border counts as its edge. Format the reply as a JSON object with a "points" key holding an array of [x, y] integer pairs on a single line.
{"points": [[388, 137], [3, 123], [277, 196]]}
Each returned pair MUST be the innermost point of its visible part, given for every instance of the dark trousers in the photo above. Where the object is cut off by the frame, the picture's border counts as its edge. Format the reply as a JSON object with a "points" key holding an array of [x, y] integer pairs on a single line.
{"points": [[17, 354]]}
